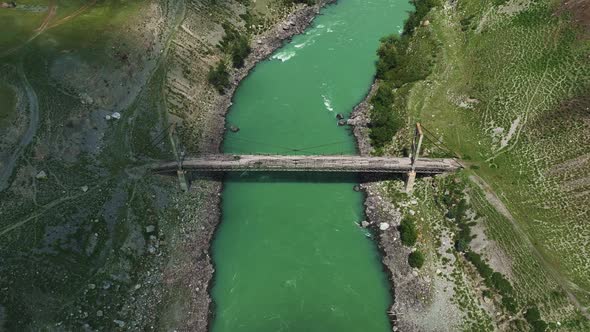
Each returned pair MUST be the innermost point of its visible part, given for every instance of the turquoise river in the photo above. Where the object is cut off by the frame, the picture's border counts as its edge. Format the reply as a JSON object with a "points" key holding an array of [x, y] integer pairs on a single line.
{"points": [[289, 254]]}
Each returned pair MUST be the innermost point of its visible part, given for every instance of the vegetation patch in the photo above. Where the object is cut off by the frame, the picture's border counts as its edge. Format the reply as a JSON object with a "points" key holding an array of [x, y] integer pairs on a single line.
{"points": [[236, 44], [416, 259], [7, 104], [408, 232], [219, 77], [507, 92], [402, 60]]}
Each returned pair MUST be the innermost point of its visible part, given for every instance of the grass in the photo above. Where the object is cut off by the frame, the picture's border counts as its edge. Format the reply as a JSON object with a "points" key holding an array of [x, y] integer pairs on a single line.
{"points": [[66, 254], [527, 71], [74, 252], [7, 105]]}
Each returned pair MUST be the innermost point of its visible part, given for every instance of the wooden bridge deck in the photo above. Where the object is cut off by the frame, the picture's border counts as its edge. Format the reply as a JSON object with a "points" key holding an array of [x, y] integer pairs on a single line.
{"points": [[230, 163]]}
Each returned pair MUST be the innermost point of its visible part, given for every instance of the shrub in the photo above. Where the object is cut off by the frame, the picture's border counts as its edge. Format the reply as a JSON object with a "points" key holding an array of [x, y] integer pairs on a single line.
{"points": [[532, 314], [408, 233], [384, 122], [240, 50], [501, 284], [509, 304], [485, 271], [493, 280], [397, 65], [461, 245], [422, 8], [533, 317], [416, 259], [219, 77], [235, 44]]}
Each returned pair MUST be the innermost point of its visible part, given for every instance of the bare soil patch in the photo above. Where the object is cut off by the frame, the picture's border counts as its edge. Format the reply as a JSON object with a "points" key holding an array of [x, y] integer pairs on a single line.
{"points": [[580, 11]]}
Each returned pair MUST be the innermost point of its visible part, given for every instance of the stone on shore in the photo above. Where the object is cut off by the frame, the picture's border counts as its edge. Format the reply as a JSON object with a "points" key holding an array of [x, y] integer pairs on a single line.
{"points": [[41, 176], [384, 226]]}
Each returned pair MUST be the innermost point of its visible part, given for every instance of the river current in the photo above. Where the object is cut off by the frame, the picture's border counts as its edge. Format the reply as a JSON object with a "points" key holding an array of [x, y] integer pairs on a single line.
{"points": [[289, 254]]}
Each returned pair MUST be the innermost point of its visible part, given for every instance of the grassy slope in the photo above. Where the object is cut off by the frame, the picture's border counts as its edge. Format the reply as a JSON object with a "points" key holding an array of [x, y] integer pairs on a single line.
{"points": [[522, 67], [63, 254]]}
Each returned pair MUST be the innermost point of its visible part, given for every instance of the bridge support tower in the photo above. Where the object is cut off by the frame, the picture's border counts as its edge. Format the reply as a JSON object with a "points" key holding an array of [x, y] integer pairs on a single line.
{"points": [[414, 154], [179, 152]]}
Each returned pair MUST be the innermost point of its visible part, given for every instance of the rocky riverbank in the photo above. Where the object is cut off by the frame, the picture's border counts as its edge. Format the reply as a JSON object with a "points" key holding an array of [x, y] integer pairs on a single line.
{"points": [[198, 277], [411, 291]]}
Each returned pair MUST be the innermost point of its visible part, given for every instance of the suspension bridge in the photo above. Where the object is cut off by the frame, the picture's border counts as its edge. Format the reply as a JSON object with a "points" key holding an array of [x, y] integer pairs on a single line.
{"points": [[410, 166]]}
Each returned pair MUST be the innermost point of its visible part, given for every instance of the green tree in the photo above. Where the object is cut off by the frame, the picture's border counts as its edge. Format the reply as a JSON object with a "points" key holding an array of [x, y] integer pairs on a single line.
{"points": [[416, 259], [240, 50], [408, 233], [533, 317], [219, 77]]}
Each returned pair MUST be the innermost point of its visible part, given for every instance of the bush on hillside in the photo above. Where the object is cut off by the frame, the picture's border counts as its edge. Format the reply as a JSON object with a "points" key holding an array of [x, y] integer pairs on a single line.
{"points": [[219, 77], [235, 44], [384, 122], [416, 259], [408, 233], [417, 16], [240, 50]]}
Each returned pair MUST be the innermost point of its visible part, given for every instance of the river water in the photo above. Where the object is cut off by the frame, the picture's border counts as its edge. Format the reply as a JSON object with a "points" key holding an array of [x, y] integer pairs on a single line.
{"points": [[289, 254]]}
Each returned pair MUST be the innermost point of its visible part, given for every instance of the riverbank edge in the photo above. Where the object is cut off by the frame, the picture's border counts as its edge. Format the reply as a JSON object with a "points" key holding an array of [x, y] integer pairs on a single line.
{"points": [[379, 210], [359, 119], [210, 211]]}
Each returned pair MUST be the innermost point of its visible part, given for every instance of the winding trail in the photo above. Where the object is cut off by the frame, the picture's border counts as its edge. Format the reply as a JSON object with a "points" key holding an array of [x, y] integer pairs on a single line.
{"points": [[46, 23], [26, 139], [72, 15]]}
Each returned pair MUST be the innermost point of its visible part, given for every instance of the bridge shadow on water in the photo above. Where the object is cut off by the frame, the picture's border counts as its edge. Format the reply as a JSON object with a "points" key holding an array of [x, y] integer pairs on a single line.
{"points": [[292, 177]]}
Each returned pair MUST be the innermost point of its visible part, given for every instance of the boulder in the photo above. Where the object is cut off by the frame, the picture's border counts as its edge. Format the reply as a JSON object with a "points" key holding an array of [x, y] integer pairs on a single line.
{"points": [[339, 116], [342, 122], [41, 176], [10, 4], [365, 224], [234, 129], [384, 226], [352, 122]]}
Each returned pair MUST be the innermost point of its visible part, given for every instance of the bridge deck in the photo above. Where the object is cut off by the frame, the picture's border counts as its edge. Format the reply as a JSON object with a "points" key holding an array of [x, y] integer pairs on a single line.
{"points": [[229, 163]]}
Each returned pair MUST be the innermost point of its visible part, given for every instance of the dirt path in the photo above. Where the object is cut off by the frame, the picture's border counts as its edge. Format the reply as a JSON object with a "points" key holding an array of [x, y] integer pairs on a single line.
{"points": [[499, 206], [33, 107], [46, 24], [51, 11], [72, 15]]}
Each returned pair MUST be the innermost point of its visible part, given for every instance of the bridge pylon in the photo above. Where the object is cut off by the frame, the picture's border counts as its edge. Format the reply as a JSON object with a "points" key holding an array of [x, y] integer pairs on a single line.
{"points": [[414, 154], [180, 154]]}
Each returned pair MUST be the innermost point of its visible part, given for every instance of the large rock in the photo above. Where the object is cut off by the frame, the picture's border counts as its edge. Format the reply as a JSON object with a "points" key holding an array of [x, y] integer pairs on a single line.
{"points": [[384, 226], [41, 176]]}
